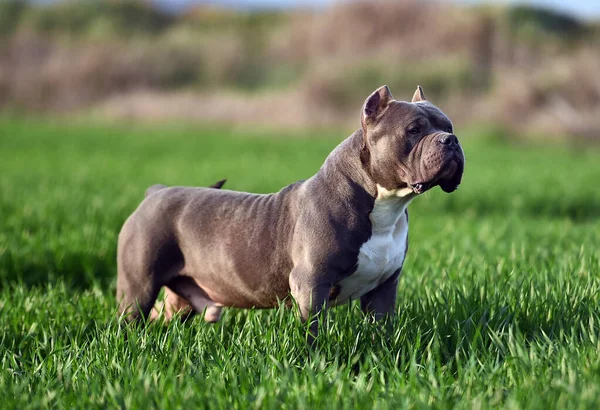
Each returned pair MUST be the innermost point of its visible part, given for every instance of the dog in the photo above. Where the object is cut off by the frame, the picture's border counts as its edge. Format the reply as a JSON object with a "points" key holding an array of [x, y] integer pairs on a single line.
{"points": [[339, 236]]}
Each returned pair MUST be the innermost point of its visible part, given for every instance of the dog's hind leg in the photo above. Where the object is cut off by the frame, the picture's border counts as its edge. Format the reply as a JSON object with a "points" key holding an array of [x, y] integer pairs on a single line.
{"points": [[212, 314], [136, 289], [187, 289], [148, 258], [172, 305], [144, 266]]}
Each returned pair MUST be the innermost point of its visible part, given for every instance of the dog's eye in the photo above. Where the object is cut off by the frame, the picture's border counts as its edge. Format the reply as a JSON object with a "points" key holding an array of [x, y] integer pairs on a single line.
{"points": [[449, 129], [414, 130]]}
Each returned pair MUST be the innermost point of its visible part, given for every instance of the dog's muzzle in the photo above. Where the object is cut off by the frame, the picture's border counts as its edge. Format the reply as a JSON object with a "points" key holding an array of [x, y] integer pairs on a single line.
{"points": [[451, 165]]}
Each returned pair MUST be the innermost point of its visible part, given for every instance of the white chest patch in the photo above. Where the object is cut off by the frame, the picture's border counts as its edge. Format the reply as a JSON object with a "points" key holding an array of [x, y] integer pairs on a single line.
{"points": [[385, 250]]}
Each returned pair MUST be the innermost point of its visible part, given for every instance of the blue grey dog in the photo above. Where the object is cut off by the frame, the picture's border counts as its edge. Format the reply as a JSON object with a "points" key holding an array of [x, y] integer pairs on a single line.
{"points": [[338, 236]]}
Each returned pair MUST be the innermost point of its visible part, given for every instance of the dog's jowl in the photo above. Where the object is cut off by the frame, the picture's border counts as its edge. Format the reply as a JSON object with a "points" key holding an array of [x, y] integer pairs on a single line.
{"points": [[338, 236]]}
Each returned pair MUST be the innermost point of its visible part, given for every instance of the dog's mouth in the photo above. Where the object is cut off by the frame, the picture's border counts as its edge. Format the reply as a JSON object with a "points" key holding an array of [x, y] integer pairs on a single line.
{"points": [[449, 179], [447, 186], [421, 187], [446, 170]]}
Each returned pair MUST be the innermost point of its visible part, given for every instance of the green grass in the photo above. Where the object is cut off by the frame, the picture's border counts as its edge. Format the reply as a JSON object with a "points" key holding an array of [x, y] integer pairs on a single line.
{"points": [[498, 304]]}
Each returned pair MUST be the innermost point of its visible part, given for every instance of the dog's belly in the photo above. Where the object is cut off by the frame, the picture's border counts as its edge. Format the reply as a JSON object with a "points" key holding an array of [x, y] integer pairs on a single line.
{"points": [[378, 259]]}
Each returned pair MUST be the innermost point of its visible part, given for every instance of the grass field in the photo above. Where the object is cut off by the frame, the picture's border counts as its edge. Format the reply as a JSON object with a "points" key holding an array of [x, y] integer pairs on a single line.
{"points": [[498, 303]]}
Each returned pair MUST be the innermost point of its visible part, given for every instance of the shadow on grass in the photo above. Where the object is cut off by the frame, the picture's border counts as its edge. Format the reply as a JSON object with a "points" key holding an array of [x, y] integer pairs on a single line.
{"points": [[80, 270]]}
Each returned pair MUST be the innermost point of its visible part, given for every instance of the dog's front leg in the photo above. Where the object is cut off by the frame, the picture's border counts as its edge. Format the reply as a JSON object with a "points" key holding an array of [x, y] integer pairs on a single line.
{"points": [[310, 296], [380, 303]]}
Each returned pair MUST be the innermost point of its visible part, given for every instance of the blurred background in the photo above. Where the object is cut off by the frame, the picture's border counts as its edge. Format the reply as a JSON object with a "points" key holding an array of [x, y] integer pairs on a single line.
{"points": [[498, 303], [532, 69]]}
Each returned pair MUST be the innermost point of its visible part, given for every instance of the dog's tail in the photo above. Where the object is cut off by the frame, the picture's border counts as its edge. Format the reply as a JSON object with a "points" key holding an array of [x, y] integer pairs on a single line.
{"points": [[158, 187], [218, 184]]}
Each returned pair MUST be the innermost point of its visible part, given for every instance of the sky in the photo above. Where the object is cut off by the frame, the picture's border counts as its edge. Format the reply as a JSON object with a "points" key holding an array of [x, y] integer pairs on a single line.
{"points": [[587, 9]]}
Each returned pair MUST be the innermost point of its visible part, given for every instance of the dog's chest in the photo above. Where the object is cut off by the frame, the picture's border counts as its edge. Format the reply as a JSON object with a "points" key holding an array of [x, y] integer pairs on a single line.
{"points": [[383, 253]]}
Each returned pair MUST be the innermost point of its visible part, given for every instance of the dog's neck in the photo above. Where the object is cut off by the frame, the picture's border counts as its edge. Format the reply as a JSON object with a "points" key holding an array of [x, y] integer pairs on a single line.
{"points": [[345, 173], [344, 165], [389, 207]]}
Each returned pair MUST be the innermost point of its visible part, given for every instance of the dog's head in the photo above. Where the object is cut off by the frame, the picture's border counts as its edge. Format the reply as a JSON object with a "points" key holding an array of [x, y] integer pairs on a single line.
{"points": [[409, 144]]}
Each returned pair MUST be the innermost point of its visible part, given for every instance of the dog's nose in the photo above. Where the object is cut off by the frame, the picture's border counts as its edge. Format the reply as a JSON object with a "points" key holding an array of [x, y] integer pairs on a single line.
{"points": [[448, 139]]}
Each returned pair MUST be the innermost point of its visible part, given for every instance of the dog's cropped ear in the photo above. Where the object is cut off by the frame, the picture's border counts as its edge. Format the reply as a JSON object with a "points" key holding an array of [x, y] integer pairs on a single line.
{"points": [[375, 104], [419, 95]]}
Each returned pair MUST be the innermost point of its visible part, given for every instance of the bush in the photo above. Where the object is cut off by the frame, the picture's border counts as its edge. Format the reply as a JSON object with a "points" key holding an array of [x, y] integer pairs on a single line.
{"points": [[77, 18], [11, 12], [343, 88], [535, 22]]}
